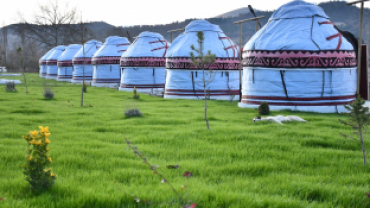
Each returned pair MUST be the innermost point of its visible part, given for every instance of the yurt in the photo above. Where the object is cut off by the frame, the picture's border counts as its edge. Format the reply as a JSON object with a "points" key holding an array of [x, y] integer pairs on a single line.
{"points": [[299, 61], [52, 61], [42, 63], [144, 64], [106, 66], [82, 62], [185, 81], [65, 67]]}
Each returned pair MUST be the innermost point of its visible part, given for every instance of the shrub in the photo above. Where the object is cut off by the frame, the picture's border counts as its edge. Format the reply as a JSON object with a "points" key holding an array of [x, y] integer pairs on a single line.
{"points": [[48, 93], [10, 87], [264, 109], [136, 96], [37, 158], [133, 112], [84, 87]]}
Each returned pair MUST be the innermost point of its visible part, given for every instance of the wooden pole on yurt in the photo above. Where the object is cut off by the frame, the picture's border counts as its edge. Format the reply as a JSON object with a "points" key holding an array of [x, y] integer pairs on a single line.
{"points": [[359, 42], [171, 31], [240, 47]]}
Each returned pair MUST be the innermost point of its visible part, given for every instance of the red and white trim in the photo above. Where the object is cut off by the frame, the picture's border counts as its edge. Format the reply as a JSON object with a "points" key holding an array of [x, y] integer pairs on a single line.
{"points": [[186, 63], [105, 60], [299, 59]]}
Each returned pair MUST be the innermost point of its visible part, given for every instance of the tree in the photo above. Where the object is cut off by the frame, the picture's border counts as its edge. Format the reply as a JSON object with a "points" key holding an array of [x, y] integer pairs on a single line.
{"points": [[359, 119], [201, 61], [51, 25], [22, 65]]}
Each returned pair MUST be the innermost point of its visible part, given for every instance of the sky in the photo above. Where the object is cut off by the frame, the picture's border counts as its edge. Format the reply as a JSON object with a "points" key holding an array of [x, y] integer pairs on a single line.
{"points": [[139, 12]]}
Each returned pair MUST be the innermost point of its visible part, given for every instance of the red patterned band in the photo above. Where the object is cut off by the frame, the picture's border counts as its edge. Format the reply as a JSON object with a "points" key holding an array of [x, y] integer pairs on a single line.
{"points": [[180, 92], [42, 62], [143, 62], [86, 60], [299, 59], [186, 63], [64, 63], [64, 76], [81, 77], [106, 80], [275, 101], [51, 62], [106, 60], [142, 85]]}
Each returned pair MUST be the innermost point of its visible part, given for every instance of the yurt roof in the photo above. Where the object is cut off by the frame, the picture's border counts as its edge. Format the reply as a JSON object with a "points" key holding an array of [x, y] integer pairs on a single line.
{"points": [[47, 54], [58, 50], [147, 44], [70, 52], [298, 25], [298, 9], [215, 40], [90, 48], [113, 46]]}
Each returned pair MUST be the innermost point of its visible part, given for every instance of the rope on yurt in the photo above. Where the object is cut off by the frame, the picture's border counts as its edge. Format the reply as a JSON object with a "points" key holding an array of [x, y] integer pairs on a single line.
{"points": [[282, 73], [220, 38], [311, 35], [192, 81], [323, 84]]}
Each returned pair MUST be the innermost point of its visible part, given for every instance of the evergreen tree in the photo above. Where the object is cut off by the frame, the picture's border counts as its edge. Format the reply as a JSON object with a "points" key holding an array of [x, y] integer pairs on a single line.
{"points": [[359, 119]]}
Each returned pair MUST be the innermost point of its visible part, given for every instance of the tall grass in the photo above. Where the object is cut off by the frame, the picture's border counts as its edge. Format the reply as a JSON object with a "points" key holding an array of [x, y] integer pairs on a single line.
{"points": [[237, 163]]}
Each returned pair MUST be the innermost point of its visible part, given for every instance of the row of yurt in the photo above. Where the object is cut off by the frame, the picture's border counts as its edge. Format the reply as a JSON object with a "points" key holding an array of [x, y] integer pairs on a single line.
{"points": [[42, 63], [299, 61]]}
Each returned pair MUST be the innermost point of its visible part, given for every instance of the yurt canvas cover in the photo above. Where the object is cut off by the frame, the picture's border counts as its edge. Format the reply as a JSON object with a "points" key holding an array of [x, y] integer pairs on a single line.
{"points": [[65, 66], [42, 63], [106, 62], [82, 62], [144, 64], [184, 80], [52, 61], [299, 61]]}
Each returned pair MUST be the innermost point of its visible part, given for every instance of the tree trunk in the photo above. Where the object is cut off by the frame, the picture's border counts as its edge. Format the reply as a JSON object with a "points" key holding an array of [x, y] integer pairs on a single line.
{"points": [[205, 101], [25, 80], [363, 145]]}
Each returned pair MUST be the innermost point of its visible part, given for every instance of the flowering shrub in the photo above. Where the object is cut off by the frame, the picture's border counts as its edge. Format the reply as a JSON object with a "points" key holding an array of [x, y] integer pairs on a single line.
{"points": [[37, 158]]}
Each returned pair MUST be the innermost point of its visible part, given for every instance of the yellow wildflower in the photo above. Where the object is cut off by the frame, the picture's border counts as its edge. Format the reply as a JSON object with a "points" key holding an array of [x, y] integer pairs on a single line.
{"points": [[47, 135], [47, 141], [47, 149], [44, 129], [52, 175], [39, 142], [49, 158], [31, 157], [34, 133], [33, 141]]}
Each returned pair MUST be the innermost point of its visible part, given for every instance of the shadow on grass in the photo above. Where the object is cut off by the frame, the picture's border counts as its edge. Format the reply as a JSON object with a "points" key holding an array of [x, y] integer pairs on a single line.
{"points": [[320, 143], [28, 111]]}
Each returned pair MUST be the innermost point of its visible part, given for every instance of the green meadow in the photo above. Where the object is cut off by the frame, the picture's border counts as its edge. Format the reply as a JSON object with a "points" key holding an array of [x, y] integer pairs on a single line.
{"points": [[237, 163]]}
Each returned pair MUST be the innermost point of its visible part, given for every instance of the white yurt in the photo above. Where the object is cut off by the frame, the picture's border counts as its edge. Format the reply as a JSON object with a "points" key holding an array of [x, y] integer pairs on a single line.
{"points": [[144, 64], [106, 69], [185, 81], [42, 63], [82, 62], [52, 61], [65, 67], [299, 61]]}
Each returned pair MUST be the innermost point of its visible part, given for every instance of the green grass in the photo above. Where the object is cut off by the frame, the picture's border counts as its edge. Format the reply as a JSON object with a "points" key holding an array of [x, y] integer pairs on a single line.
{"points": [[237, 163]]}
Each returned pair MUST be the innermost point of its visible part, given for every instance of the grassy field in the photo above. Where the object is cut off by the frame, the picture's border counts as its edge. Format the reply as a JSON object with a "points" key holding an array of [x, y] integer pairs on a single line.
{"points": [[237, 163]]}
